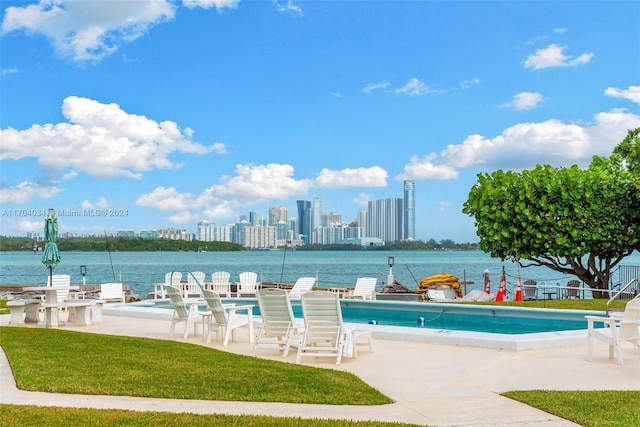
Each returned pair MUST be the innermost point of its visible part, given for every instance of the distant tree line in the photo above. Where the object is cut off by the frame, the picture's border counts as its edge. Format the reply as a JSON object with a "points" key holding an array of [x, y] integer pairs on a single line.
{"points": [[123, 244]]}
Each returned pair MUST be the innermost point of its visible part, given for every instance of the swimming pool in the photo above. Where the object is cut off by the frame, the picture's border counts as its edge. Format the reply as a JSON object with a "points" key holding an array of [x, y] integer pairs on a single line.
{"points": [[449, 316]]}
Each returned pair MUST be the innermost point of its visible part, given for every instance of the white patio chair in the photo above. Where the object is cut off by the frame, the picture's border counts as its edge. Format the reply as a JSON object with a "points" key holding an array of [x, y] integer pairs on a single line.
{"points": [[225, 318], [248, 284], [278, 323], [195, 284], [220, 283], [187, 313], [324, 330], [365, 289], [303, 284], [617, 329]]}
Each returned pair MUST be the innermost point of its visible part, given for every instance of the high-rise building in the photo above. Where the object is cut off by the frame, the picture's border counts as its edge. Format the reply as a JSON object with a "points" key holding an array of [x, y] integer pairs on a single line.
{"points": [[331, 219], [316, 215], [277, 214], [255, 218], [363, 221], [304, 220], [409, 210], [386, 219]]}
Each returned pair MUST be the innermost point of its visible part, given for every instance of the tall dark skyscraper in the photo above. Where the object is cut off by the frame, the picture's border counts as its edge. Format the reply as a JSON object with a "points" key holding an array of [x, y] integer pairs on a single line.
{"points": [[409, 210], [304, 219]]}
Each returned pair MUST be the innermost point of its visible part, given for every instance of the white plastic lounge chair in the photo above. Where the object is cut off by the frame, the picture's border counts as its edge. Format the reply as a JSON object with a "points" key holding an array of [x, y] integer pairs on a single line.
{"points": [[182, 312], [618, 329], [112, 292], [174, 279], [195, 284], [303, 284], [278, 323], [60, 280], [248, 284], [530, 290], [225, 318], [324, 333], [365, 289], [220, 283]]}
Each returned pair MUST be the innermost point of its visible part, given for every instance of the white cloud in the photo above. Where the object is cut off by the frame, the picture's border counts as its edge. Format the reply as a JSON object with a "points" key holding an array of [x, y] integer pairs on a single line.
{"points": [[25, 191], [100, 203], [208, 4], [414, 87], [426, 169], [252, 184], [12, 70], [88, 30], [363, 199], [287, 6], [632, 93], [466, 84], [560, 30], [167, 199], [525, 101], [551, 142], [553, 56], [360, 177], [101, 140], [375, 86], [443, 206]]}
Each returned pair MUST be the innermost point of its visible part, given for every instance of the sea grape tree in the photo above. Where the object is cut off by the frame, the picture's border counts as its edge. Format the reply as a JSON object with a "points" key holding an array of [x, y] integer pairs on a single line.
{"points": [[575, 221]]}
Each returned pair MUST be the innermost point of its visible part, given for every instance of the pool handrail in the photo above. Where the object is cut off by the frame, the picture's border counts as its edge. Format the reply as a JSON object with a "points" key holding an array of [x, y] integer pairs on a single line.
{"points": [[620, 292]]}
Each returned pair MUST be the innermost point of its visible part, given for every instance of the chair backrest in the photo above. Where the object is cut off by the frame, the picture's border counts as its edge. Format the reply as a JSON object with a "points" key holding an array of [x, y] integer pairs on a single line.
{"points": [[111, 291], [365, 286], [215, 306], [195, 278], [630, 320], [60, 280], [573, 288], [173, 278], [195, 283], [248, 281], [322, 316], [180, 309], [530, 288], [220, 282], [303, 284], [275, 310]]}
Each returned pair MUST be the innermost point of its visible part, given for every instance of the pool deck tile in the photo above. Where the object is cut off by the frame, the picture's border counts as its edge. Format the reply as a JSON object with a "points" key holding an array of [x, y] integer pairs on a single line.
{"points": [[431, 383]]}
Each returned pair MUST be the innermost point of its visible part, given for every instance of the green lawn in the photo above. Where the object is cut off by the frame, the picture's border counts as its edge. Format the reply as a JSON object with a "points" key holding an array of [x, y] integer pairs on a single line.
{"points": [[126, 366]]}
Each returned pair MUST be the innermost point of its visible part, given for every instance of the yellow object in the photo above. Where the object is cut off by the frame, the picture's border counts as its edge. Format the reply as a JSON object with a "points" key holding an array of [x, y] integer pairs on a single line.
{"points": [[444, 279]]}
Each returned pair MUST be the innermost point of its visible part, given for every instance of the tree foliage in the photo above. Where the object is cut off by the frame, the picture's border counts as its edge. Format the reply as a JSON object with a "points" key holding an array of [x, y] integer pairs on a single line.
{"points": [[575, 221]]}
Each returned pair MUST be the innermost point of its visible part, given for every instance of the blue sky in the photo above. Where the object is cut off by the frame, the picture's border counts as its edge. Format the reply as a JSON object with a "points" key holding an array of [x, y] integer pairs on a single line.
{"points": [[172, 112]]}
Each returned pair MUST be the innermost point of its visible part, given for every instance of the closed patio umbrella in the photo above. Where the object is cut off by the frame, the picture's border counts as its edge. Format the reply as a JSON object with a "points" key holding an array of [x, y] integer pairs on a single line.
{"points": [[51, 256]]}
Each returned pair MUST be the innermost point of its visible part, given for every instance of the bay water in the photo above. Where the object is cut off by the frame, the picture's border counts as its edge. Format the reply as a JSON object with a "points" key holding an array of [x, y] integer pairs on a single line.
{"points": [[332, 268]]}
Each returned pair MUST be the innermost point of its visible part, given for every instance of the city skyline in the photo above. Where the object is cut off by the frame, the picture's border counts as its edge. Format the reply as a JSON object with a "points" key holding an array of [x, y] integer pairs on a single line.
{"points": [[150, 114]]}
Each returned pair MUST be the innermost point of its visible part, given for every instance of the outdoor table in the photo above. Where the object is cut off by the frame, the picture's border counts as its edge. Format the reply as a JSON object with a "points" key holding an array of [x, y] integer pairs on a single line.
{"points": [[51, 297], [548, 294]]}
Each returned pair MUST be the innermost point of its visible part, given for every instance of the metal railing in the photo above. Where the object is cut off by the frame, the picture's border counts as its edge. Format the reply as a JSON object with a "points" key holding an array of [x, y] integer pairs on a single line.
{"points": [[622, 292]]}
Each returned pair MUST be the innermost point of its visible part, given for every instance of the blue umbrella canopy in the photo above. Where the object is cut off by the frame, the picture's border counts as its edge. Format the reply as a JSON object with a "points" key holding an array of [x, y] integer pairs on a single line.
{"points": [[51, 256]]}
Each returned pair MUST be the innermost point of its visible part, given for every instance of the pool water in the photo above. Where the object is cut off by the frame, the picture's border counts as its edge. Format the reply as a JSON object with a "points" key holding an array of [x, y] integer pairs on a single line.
{"points": [[451, 316]]}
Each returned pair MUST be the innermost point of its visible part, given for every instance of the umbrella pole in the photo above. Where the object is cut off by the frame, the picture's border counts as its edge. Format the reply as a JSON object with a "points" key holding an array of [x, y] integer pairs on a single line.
{"points": [[50, 276]]}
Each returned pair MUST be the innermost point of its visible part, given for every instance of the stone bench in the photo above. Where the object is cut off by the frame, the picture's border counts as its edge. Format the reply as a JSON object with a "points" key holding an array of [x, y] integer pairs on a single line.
{"points": [[18, 308], [79, 312]]}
